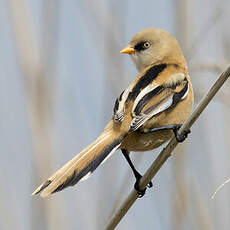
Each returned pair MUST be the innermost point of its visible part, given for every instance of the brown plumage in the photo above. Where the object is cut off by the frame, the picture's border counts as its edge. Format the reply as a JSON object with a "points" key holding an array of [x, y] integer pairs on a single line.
{"points": [[160, 96]]}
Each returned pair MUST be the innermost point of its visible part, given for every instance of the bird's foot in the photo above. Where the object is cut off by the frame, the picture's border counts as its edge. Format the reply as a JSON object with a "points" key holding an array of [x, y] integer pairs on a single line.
{"points": [[141, 192], [181, 137]]}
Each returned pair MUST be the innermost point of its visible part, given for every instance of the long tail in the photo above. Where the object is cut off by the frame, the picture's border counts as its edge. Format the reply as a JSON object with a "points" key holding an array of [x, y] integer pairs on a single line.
{"points": [[82, 165]]}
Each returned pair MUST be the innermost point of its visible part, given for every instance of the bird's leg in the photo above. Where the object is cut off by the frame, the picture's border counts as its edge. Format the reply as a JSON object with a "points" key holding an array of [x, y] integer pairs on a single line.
{"points": [[174, 127], [138, 176]]}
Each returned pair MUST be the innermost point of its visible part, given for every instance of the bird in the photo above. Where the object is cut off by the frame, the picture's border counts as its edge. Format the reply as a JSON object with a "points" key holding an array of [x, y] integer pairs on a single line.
{"points": [[148, 113]]}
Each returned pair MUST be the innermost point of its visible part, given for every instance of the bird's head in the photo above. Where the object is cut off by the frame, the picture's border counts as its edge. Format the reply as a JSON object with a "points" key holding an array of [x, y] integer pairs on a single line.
{"points": [[153, 45]]}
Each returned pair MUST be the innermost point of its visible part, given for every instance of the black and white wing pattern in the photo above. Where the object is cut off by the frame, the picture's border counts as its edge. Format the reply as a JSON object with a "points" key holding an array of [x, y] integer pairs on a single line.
{"points": [[119, 107], [134, 91], [160, 88], [155, 99]]}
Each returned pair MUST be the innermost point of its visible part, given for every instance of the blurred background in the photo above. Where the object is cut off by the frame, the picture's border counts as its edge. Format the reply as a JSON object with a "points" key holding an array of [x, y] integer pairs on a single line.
{"points": [[60, 73]]}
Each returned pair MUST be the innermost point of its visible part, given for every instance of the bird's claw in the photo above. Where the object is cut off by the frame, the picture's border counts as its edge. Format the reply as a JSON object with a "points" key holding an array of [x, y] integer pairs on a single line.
{"points": [[150, 184], [141, 192], [181, 137]]}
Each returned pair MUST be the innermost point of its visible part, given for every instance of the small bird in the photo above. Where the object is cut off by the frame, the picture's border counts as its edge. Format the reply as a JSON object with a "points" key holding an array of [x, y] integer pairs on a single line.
{"points": [[146, 114]]}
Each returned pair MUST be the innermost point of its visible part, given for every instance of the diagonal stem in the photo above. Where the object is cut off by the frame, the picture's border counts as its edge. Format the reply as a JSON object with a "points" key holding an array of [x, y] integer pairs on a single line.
{"points": [[167, 151]]}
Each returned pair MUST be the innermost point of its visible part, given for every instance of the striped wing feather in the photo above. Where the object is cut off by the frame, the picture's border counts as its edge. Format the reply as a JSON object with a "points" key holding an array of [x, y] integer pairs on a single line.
{"points": [[156, 101]]}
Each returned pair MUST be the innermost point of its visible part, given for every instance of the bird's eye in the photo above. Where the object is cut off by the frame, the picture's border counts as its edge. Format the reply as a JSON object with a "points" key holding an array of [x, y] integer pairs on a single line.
{"points": [[141, 46], [146, 45]]}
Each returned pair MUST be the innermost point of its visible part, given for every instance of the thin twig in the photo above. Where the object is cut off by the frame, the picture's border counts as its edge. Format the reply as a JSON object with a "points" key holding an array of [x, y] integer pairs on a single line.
{"points": [[220, 187], [166, 152]]}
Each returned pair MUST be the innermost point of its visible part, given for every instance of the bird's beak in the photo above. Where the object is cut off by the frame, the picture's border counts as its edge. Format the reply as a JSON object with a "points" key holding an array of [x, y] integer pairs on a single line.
{"points": [[127, 50]]}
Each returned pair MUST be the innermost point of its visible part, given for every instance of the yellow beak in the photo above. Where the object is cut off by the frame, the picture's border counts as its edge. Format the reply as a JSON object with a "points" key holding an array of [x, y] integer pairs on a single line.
{"points": [[128, 50]]}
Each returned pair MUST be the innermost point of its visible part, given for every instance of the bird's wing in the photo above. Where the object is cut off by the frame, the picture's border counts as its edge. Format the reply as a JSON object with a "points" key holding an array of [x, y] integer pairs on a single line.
{"points": [[119, 107], [156, 98], [158, 88], [143, 80]]}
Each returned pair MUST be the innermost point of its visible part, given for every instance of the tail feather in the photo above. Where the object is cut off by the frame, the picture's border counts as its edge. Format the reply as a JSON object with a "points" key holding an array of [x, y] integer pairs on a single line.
{"points": [[82, 165]]}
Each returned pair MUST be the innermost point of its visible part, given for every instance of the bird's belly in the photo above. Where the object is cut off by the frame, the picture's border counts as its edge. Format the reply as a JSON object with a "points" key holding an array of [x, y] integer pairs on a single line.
{"points": [[137, 141]]}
